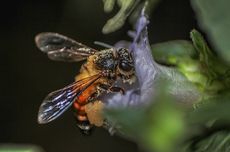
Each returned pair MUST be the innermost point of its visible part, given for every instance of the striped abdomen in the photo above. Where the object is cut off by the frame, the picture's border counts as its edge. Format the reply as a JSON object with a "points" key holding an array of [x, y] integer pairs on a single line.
{"points": [[79, 110]]}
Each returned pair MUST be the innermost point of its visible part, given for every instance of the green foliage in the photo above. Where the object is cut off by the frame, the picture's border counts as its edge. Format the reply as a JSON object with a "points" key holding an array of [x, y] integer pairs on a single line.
{"points": [[173, 52], [108, 5], [216, 108], [214, 17], [196, 61], [128, 8], [209, 126], [119, 19], [164, 125], [217, 142], [182, 55], [211, 66], [19, 148], [156, 127]]}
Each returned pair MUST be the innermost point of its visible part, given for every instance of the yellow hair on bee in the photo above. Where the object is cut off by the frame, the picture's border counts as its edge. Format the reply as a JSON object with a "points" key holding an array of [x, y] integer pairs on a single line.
{"points": [[87, 69]]}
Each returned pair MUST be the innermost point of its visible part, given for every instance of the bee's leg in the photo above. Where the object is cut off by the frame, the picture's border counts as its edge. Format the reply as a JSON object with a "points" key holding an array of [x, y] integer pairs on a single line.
{"points": [[117, 89], [111, 128], [111, 88], [82, 119], [93, 96], [103, 87]]}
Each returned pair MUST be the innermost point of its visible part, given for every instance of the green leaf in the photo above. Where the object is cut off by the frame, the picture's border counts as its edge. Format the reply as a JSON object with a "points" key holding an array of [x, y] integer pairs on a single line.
{"points": [[219, 142], [119, 19], [128, 8], [211, 66], [216, 142], [108, 5], [214, 17], [208, 126], [157, 126], [165, 127], [183, 56], [206, 57], [129, 119], [215, 108], [173, 52]]}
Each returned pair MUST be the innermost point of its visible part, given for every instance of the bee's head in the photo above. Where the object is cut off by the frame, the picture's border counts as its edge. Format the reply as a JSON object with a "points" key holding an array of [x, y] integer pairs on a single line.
{"points": [[125, 65]]}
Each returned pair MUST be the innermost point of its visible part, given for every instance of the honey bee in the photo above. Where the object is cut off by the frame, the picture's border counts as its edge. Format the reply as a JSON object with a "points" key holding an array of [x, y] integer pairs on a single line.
{"points": [[97, 75]]}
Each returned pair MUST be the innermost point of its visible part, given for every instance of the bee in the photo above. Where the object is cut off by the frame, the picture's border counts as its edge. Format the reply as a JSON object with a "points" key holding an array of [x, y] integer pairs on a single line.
{"points": [[97, 76]]}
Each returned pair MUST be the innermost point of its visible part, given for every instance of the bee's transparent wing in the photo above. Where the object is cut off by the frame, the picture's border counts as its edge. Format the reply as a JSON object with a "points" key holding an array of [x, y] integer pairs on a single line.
{"points": [[62, 48], [59, 101]]}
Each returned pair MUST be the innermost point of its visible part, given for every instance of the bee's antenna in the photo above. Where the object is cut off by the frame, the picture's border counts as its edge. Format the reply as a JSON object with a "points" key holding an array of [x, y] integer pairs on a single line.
{"points": [[103, 44]]}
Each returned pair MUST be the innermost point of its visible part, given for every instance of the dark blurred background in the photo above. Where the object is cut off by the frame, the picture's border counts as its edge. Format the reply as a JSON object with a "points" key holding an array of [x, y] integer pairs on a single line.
{"points": [[28, 75]]}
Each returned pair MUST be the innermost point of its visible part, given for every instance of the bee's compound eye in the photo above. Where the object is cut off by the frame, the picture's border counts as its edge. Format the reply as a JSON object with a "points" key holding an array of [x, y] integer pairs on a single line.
{"points": [[125, 66]]}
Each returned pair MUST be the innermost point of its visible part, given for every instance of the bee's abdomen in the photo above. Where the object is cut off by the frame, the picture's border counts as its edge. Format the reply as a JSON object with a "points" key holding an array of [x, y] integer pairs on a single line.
{"points": [[85, 127], [81, 117]]}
